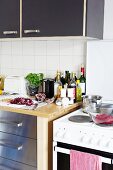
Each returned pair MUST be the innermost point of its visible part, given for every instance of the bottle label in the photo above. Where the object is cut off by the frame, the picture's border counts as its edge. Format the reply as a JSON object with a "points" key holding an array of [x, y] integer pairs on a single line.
{"points": [[55, 89], [82, 85], [71, 92], [63, 92], [59, 91]]}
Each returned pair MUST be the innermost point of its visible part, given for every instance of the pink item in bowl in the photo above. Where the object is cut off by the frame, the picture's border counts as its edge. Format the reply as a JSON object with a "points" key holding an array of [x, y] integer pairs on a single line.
{"points": [[103, 118]]}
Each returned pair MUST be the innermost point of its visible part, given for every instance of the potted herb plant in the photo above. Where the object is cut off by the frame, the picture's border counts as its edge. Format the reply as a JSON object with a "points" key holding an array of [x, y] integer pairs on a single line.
{"points": [[34, 80]]}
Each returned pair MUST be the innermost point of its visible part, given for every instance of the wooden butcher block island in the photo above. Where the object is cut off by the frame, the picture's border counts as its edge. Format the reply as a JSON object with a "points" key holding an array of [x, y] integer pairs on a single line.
{"points": [[44, 117]]}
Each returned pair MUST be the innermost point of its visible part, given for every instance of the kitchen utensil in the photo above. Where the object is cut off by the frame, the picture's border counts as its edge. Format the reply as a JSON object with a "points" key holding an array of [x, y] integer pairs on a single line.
{"points": [[91, 102]]}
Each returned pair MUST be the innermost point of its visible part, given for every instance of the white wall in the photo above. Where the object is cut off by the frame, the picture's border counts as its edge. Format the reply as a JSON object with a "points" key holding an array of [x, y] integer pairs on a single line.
{"points": [[19, 57]]}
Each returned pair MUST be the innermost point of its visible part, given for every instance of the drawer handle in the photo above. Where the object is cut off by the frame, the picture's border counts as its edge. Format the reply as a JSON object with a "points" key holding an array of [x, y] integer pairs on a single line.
{"points": [[10, 145], [9, 32], [17, 124], [31, 31]]}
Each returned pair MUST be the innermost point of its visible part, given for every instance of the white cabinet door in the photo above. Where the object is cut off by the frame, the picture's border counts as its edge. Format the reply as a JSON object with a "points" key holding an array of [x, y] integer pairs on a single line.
{"points": [[108, 19]]}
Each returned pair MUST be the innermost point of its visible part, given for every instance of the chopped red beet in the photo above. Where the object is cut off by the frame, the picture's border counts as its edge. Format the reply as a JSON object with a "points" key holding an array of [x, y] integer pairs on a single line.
{"points": [[103, 119], [22, 101]]}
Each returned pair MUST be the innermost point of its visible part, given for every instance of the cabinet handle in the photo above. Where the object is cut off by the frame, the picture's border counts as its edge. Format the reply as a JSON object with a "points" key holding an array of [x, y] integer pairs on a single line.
{"points": [[4, 143], [17, 124], [9, 32], [31, 31]]}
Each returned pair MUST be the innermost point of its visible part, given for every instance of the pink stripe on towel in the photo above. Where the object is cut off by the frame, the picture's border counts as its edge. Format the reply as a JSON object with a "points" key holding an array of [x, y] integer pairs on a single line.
{"points": [[84, 161]]}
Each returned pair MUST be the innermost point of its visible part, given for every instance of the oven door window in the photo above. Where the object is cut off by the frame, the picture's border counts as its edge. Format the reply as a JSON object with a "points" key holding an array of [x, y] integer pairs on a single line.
{"points": [[63, 161]]}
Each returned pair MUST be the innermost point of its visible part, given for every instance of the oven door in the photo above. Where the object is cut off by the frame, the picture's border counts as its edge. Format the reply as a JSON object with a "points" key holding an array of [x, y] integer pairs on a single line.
{"points": [[61, 156]]}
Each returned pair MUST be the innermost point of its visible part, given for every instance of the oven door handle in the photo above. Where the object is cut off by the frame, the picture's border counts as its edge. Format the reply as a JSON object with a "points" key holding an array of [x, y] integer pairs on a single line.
{"points": [[67, 151]]}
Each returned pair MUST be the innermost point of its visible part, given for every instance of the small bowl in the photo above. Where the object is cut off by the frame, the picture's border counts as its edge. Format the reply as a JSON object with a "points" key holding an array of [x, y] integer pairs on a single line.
{"points": [[40, 97]]}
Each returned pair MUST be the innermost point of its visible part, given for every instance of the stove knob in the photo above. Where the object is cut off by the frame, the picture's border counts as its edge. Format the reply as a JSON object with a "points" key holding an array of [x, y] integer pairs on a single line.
{"points": [[93, 140], [59, 134], [103, 142], [110, 144], [99, 142], [86, 139], [81, 139]]}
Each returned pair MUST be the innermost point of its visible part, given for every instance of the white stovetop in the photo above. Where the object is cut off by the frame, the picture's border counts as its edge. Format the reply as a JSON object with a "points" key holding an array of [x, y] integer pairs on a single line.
{"points": [[65, 120]]}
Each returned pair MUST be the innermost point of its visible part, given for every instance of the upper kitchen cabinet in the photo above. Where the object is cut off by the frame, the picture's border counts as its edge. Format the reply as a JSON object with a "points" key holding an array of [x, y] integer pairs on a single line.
{"points": [[9, 18], [62, 18], [52, 17]]}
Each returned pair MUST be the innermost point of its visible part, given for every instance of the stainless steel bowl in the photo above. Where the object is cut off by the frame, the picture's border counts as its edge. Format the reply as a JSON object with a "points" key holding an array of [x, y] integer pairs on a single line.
{"points": [[91, 102]]}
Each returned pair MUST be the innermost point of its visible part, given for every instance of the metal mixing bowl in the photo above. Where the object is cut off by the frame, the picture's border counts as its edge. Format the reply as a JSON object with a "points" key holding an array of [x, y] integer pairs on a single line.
{"points": [[91, 102]]}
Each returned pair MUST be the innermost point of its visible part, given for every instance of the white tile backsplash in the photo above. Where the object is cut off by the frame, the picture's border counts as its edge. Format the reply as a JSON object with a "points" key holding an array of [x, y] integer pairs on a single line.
{"points": [[17, 62], [40, 63], [28, 48], [53, 48], [79, 48], [6, 48], [24, 56], [17, 48], [66, 47], [40, 48], [66, 63], [28, 62], [52, 62], [0, 48], [6, 61]]}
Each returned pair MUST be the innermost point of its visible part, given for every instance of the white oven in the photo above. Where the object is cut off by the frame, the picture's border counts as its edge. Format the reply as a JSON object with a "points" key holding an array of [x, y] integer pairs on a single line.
{"points": [[82, 136]]}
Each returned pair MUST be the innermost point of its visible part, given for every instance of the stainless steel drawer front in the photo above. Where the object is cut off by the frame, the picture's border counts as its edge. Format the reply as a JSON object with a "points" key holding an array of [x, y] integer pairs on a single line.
{"points": [[18, 148], [19, 124], [6, 164]]}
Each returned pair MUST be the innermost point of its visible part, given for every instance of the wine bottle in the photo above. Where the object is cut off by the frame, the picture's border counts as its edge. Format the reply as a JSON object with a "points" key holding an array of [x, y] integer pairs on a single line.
{"points": [[62, 79], [57, 86], [82, 81], [73, 86], [67, 77]]}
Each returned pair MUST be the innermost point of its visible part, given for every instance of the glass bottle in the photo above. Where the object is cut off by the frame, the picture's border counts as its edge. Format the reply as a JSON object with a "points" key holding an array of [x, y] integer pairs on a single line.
{"points": [[78, 91], [82, 81], [67, 77], [57, 86], [75, 77], [62, 79], [72, 85]]}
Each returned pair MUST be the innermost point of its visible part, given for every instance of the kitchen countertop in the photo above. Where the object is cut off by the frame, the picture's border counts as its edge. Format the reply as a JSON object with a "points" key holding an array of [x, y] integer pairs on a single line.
{"points": [[48, 111]]}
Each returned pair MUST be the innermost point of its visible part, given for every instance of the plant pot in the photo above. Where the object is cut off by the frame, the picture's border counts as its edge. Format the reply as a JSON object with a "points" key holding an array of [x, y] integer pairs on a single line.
{"points": [[31, 91]]}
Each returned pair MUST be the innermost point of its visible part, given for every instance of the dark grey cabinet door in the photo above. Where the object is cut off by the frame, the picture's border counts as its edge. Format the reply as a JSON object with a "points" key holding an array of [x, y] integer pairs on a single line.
{"points": [[95, 18], [9, 18], [52, 18]]}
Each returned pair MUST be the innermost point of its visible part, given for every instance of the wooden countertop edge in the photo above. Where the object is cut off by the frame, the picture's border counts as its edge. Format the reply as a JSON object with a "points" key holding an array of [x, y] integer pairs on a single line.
{"points": [[50, 111]]}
